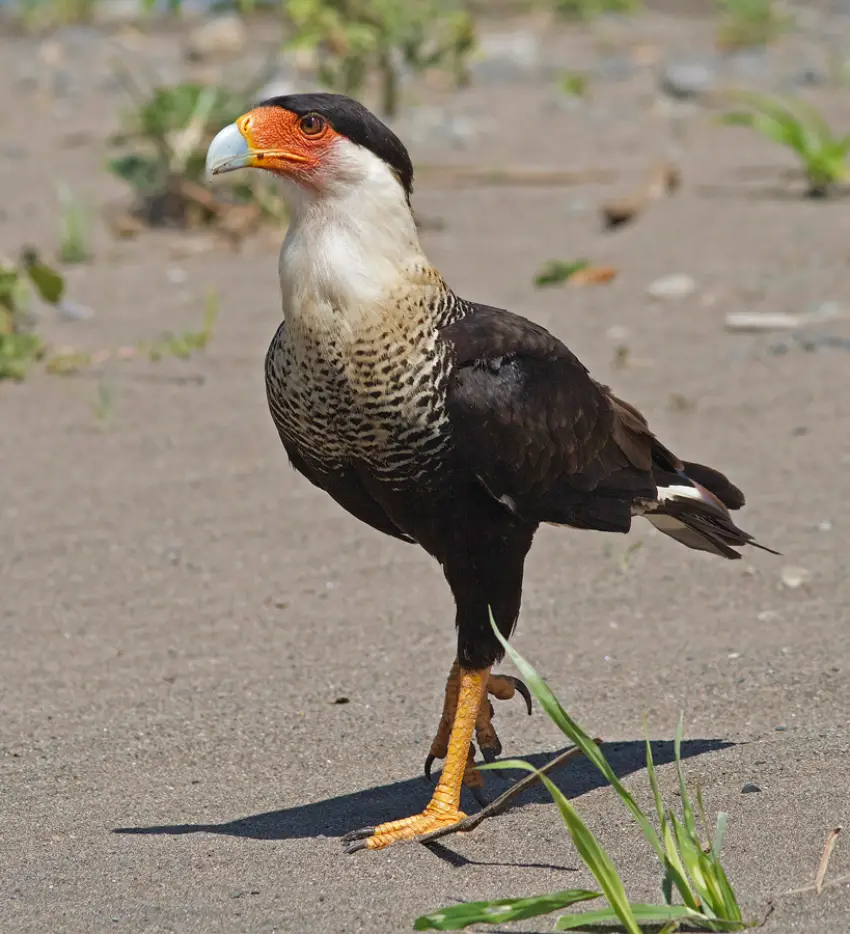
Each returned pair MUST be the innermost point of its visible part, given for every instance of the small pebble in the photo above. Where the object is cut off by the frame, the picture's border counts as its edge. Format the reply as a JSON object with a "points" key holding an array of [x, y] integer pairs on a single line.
{"points": [[175, 275], [684, 80], [676, 285], [172, 555], [750, 788], [794, 577], [755, 321]]}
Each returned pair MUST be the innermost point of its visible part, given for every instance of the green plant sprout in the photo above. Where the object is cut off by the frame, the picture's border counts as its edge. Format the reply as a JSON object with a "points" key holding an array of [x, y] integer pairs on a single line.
{"points": [[575, 83], [73, 228], [556, 271], [103, 405], [692, 867], [20, 346], [802, 129], [356, 38]]}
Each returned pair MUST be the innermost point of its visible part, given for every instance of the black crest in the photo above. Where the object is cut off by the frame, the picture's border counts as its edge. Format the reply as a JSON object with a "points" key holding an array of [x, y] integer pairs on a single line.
{"points": [[351, 119]]}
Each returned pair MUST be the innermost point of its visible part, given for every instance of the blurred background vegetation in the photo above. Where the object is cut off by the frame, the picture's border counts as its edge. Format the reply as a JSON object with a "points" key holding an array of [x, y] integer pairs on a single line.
{"points": [[384, 52]]}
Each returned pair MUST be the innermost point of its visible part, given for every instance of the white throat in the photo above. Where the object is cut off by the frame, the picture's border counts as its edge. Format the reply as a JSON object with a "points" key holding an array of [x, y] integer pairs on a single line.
{"points": [[351, 243]]}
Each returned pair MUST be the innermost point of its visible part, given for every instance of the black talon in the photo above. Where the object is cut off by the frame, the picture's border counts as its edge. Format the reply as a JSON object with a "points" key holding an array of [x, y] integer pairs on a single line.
{"points": [[355, 846], [429, 761], [361, 834], [490, 755], [479, 796], [523, 690]]}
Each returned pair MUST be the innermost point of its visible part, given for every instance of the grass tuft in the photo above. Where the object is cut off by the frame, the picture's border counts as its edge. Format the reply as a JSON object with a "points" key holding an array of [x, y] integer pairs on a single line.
{"points": [[161, 155], [692, 867], [801, 128]]}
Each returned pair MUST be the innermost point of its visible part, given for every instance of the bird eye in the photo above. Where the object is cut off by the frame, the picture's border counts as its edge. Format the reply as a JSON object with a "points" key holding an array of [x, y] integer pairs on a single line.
{"points": [[312, 124]]}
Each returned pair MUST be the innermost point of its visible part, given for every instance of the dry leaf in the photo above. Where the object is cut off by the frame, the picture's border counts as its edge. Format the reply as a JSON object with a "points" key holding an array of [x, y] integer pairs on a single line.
{"points": [[593, 275]]}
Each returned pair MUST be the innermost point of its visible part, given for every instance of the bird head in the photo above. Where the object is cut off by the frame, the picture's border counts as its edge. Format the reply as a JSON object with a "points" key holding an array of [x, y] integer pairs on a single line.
{"points": [[327, 144]]}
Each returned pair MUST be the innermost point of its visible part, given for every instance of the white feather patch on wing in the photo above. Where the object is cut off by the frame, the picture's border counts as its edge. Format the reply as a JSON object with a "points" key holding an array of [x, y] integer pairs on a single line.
{"points": [[679, 492]]}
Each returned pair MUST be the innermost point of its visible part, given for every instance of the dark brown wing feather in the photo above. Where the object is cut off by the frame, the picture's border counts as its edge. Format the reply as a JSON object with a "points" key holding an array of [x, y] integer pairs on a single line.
{"points": [[541, 435]]}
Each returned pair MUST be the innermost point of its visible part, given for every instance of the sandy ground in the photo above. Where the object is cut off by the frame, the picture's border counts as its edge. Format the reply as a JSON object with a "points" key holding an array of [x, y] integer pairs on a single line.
{"points": [[180, 612]]}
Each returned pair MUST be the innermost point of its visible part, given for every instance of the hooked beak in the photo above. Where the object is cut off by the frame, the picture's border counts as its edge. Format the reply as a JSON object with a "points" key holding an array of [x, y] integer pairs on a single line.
{"points": [[228, 152], [233, 148]]}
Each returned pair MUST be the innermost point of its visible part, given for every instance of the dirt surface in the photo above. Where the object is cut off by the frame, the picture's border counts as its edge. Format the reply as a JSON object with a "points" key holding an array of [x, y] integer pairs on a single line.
{"points": [[181, 613]]}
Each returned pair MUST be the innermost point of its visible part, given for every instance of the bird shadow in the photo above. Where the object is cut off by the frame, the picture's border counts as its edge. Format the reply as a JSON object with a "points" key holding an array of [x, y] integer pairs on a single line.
{"points": [[335, 816]]}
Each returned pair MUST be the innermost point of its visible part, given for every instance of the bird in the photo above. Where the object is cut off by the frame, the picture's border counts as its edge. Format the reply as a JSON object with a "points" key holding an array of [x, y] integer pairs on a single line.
{"points": [[440, 421]]}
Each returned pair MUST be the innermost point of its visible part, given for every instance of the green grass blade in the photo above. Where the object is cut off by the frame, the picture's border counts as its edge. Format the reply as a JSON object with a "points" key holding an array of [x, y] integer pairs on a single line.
{"points": [[701, 811], [687, 810], [653, 778], [726, 905], [673, 865], [690, 855], [589, 849], [771, 119], [719, 833], [731, 908], [499, 911], [673, 874], [811, 119], [576, 734], [645, 914], [738, 118]]}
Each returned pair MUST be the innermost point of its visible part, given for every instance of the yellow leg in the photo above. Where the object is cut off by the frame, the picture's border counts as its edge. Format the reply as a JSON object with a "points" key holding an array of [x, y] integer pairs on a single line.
{"points": [[501, 687], [443, 808]]}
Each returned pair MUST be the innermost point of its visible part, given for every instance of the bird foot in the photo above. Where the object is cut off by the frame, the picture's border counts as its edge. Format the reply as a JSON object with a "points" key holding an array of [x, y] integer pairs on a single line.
{"points": [[502, 687], [465, 695], [435, 817]]}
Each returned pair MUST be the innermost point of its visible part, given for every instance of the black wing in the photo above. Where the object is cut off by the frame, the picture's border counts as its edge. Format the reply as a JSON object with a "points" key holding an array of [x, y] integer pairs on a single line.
{"points": [[539, 433], [343, 485]]}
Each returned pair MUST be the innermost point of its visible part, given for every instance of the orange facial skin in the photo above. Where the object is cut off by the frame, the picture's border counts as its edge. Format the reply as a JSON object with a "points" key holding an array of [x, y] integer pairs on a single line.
{"points": [[287, 143]]}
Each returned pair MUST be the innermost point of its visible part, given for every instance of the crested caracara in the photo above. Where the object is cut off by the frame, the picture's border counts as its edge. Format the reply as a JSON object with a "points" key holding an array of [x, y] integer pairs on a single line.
{"points": [[437, 420]]}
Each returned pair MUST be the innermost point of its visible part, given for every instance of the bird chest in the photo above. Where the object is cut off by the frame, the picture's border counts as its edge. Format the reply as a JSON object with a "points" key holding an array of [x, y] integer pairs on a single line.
{"points": [[375, 401]]}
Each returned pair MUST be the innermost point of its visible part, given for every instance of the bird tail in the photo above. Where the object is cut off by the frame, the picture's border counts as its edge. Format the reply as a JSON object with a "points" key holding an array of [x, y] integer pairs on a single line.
{"points": [[692, 506]]}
